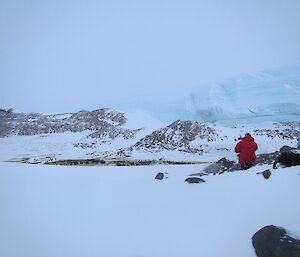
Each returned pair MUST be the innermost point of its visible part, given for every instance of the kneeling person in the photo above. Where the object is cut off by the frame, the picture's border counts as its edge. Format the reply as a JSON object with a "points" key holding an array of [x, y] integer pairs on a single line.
{"points": [[246, 151]]}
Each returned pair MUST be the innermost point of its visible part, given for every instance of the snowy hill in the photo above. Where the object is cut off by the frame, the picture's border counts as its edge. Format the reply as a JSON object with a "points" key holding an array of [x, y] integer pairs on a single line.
{"points": [[107, 133], [101, 123], [180, 135]]}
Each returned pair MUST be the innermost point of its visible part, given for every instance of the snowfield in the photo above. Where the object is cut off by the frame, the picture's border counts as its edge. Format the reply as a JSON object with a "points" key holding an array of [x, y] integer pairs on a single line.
{"points": [[67, 211]]}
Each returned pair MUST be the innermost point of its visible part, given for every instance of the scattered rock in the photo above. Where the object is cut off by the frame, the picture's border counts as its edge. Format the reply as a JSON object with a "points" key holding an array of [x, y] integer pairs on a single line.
{"points": [[272, 241], [267, 174], [159, 176], [178, 136], [102, 123], [284, 130], [194, 180]]}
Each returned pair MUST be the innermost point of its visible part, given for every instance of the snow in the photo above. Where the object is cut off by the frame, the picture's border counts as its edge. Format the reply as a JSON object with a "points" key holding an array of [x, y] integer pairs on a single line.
{"points": [[76, 211], [143, 120], [122, 211], [61, 145]]}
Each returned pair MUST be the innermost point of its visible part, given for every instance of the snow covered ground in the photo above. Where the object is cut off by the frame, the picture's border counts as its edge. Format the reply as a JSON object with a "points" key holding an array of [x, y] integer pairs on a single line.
{"points": [[61, 211], [61, 145]]}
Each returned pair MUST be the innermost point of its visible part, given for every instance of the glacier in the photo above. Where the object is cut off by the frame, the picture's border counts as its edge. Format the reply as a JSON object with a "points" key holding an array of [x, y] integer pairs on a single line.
{"points": [[269, 95]]}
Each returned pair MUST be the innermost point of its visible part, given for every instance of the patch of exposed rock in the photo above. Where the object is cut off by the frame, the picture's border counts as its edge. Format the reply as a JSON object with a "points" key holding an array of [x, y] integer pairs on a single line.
{"points": [[284, 130], [272, 241], [179, 135], [102, 123]]}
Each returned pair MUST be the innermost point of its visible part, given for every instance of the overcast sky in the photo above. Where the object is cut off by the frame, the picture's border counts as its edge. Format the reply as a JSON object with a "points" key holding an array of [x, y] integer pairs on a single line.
{"points": [[64, 55]]}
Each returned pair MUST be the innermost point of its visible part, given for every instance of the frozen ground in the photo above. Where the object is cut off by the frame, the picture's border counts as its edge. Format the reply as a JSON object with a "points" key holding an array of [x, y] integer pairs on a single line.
{"points": [[60, 211]]}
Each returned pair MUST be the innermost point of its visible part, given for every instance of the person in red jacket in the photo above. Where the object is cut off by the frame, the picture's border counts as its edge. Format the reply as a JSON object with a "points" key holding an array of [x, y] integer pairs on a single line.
{"points": [[246, 151]]}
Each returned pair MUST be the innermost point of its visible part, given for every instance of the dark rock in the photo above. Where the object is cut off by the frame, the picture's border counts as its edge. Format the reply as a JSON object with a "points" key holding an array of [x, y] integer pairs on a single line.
{"points": [[159, 176], [286, 148], [272, 241], [267, 174], [267, 158], [194, 180], [287, 159]]}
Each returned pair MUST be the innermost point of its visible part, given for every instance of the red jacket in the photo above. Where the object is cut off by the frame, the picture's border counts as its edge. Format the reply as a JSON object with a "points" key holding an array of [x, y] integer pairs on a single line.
{"points": [[246, 150]]}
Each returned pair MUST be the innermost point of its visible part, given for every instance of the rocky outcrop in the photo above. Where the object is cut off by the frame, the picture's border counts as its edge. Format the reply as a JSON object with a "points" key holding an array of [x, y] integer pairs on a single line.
{"points": [[284, 130], [179, 136], [287, 159], [102, 123], [272, 241], [267, 158]]}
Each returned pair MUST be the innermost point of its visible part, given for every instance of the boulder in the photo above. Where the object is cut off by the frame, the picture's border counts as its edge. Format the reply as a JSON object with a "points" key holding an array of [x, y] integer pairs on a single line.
{"points": [[287, 159], [159, 176], [194, 180], [267, 174], [272, 241], [267, 158]]}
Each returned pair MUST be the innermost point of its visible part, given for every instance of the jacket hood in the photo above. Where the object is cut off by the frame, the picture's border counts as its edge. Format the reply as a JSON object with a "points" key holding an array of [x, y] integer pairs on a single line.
{"points": [[248, 139]]}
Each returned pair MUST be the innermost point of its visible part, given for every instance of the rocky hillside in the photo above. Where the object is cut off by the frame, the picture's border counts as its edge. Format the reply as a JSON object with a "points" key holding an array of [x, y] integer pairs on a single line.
{"points": [[108, 133], [101, 123], [283, 130], [185, 136]]}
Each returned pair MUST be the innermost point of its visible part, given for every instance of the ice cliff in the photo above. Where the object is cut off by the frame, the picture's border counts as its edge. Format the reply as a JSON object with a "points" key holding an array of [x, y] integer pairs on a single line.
{"points": [[268, 95]]}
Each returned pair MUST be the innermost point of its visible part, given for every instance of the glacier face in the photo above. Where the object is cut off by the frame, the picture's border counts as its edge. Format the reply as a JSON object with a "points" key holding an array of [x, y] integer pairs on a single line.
{"points": [[268, 95]]}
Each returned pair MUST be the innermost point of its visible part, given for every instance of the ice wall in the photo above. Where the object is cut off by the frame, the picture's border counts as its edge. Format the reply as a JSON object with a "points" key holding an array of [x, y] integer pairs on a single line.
{"points": [[268, 95]]}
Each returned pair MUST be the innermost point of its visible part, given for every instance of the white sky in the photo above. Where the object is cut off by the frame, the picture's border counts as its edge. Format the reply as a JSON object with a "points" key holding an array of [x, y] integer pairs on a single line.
{"points": [[63, 55]]}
